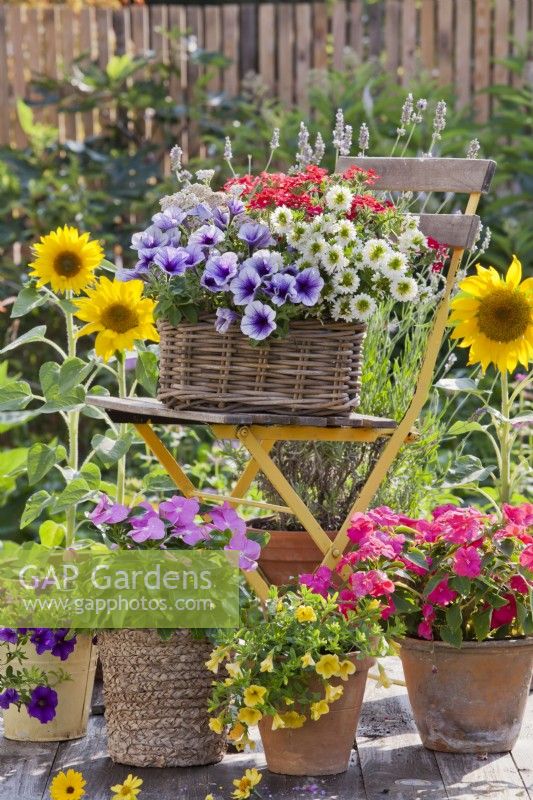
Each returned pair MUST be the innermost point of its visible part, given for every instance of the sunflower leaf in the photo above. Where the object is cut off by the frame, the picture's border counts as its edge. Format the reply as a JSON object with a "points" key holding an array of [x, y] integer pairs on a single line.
{"points": [[28, 299], [34, 335]]}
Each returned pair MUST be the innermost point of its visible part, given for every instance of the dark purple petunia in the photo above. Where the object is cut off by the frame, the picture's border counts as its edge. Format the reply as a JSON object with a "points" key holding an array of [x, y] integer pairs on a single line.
{"points": [[307, 287], [63, 647], [42, 704], [225, 317], [264, 262], [244, 286], [258, 321], [281, 288], [255, 235], [206, 236], [172, 260], [8, 697], [235, 206], [171, 217], [8, 635], [42, 639], [108, 513], [219, 271], [221, 218]]}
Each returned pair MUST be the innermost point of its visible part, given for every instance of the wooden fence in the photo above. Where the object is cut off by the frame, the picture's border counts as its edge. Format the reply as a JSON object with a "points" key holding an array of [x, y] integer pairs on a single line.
{"points": [[460, 42]]}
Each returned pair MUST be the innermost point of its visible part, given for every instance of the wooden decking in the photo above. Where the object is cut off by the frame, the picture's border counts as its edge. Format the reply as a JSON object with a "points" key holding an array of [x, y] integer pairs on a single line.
{"points": [[389, 764]]}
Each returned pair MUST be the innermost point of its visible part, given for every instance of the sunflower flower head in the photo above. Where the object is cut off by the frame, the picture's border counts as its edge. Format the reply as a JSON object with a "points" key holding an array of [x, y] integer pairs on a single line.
{"points": [[493, 316], [119, 315], [66, 260], [68, 786], [128, 790]]}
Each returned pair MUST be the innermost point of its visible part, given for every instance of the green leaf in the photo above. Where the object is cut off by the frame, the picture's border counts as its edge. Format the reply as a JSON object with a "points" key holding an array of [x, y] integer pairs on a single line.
{"points": [[461, 584], [454, 617], [111, 448], [34, 506], [28, 298], [72, 372], [92, 475], [15, 396], [56, 400], [51, 533], [451, 636], [456, 384], [416, 557], [48, 376], [25, 117], [146, 371], [34, 335], [68, 306], [13, 462], [12, 419], [481, 623], [41, 459], [75, 492], [465, 427], [93, 411]]}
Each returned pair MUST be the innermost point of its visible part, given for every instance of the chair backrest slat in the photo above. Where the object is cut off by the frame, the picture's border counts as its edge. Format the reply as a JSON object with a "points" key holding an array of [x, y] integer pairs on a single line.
{"points": [[464, 175], [454, 230]]}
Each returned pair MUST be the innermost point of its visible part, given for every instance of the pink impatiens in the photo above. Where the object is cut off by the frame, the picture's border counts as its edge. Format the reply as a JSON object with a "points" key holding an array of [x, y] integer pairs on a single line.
{"points": [[467, 562]]}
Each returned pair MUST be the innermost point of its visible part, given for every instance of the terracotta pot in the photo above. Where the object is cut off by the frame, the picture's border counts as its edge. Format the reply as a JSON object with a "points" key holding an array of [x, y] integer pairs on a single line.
{"points": [[289, 554], [469, 699], [322, 747], [74, 697]]}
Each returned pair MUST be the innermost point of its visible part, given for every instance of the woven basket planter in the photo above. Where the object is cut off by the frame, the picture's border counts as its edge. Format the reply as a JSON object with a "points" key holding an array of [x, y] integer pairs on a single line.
{"points": [[314, 370], [156, 694]]}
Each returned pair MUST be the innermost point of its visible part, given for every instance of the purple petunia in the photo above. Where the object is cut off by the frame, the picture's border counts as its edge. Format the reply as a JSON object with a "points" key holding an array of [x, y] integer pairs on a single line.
{"points": [[148, 526], [42, 639], [281, 288], [219, 271], [194, 255], [255, 235], [221, 218], [225, 518], [180, 512], [108, 513], [202, 211], [244, 286], [258, 321], [307, 286], [264, 262], [63, 647], [235, 206], [248, 549], [8, 635], [206, 236], [172, 260], [8, 697], [225, 317], [171, 217], [42, 704], [147, 242]]}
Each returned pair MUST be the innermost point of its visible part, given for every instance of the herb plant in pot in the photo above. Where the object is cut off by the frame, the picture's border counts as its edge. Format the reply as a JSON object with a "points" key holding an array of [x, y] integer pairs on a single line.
{"points": [[300, 675]]}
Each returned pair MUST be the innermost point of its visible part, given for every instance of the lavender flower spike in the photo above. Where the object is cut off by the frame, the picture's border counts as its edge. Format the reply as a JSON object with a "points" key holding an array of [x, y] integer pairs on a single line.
{"points": [[258, 321], [225, 317], [219, 271], [307, 287], [255, 235], [244, 286]]}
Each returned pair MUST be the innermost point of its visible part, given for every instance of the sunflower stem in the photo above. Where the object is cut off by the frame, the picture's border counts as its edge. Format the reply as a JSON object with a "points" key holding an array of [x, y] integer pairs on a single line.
{"points": [[73, 419], [122, 392], [505, 430]]}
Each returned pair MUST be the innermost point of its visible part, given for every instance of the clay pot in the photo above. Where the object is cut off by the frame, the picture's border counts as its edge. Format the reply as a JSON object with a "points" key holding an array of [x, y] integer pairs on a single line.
{"points": [[320, 747], [289, 554], [469, 699]]}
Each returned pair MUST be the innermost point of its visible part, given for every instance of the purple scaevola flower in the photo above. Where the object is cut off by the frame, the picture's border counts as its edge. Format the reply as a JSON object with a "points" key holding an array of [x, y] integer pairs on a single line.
{"points": [[42, 639], [255, 235], [224, 318], [149, 240], [180, 512], [147, 526], [258, 321], [8, 635], [202, 211], [108, 513], [264, 262], [170, 218], [8, 697], [219, 271], [225, 518], [235, 206], [172, 260], [206, 236], [244, 286], [42, 704], [249, 550], [280, 287], [221, 218], [63, 647], [307, 287]]}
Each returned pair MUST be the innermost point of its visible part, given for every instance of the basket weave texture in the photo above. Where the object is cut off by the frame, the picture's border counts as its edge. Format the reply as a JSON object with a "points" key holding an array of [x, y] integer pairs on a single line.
{"points": [[156, 694], [315, 369]]}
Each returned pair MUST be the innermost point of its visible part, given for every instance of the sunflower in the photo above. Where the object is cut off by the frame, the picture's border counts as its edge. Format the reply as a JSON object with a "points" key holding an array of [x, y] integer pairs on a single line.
{"points": [[67, 786], [118, 313], [494, 317], [66, 260]]}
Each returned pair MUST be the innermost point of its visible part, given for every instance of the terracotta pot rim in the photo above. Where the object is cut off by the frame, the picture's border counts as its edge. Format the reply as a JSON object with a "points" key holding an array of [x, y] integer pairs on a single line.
{"points": [[410, 643]]}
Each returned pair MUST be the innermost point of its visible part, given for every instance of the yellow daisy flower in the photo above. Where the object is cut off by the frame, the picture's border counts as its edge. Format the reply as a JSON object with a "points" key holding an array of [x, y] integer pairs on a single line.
{"points": [[68, 786], [66, 260], [333, 692], [250, 716], [245, 785], [118, 314], [305, 614], [292, 719], [267, 664], [318, 709], [216, 724], [346, 668], [307, 660], [494, 317], [327, 666], [128, 790], [254, 695]]}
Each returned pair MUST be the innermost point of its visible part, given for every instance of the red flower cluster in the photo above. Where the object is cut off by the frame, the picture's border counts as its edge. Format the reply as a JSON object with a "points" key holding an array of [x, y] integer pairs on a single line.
{"points": [[367, 201], [270, 190], [358, 172], [441, 254]]}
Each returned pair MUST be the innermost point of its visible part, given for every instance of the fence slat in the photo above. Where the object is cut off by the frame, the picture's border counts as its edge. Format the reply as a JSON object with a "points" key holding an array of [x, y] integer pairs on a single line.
{"points": [[248, 37], [338, 30], [266, 34], [230, 22], [49, 55], [212, 42], [427, 32], [66, 22], [4, 86], [445, 41], [320, 25], [15, 35], [408, 40], [303, 55], [520, 32], [502, 17], [375, 29], [463, 44], [85, 47], [482, 59], [356, 27], [285, 53], [392, 35]]}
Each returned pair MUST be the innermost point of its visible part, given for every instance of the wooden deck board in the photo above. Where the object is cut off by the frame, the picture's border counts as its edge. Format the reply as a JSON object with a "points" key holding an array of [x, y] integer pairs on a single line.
{"points": [[389, 763]]}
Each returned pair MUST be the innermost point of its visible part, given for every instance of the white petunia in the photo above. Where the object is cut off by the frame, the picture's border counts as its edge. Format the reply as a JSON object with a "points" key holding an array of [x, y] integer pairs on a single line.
{"points": [[339, 198], [376, 253], [395, 265], [333, 258], [345, 232], [404, 288], [281, 219], [315, 248], [346, 281], [362, 307]]}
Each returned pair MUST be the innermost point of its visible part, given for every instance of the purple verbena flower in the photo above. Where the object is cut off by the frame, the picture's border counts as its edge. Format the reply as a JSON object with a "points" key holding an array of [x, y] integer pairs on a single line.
{"points": [[307, 286], [42, 639], [255, 235], [42, 704], [206, 236], [171, 217], [8, 635], [8, 697], [258, 321], [148, 526], [280, 287], [248, 549], [224, 319], [219, 271], [180, 512], [108, 513], [225, 518], [244, 286], [172, 260], [63, 647]]}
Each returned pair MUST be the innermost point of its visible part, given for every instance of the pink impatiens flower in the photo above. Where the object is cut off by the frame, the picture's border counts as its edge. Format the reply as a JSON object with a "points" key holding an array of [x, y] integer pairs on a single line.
{"points": [[526, 557], [467, 562], [361, 527], [442, 594], [504, 615], [520, 515]]}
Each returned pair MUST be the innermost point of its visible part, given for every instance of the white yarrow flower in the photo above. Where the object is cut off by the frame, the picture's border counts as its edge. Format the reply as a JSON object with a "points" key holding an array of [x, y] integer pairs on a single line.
{"points": [[404, 288], [339, 198], [395, 265], [346, 281], [333, 258], [281, 219], [362, 307], [376, 253]]}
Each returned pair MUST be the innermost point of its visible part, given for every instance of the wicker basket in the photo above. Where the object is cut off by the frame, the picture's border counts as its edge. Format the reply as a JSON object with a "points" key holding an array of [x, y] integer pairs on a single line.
{"points": [[156, 694], [314, 370]]}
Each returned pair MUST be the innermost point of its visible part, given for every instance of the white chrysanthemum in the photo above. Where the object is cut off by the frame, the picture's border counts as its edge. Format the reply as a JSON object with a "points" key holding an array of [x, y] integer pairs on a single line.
{"points": [[330, 223], [297, 235], [315, 227], [346, 281], [304, 263], [404, 288], [410, 222], [339, 198], [376, 253], [412, 239], [362, 307], [345, 232], [333, 258], [395, 265], [342, 309], [315, 248], [281, 219]]}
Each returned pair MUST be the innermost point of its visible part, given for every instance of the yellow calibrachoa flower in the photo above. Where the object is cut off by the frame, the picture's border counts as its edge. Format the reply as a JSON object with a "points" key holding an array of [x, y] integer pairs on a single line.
{"points": [[209, 797], [246, 784], [277, 722], [254, 695], [216, 724], [119, 315], [346, 668], [217, 657], [318, 709], [292, 719], [305, 614], [307, 660], [250, 716], [66, 260], [128, 790], [327, 666], [333, 692], [267, 664], [234, 669], [236, 732], [494, 317], [68, 786]]}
